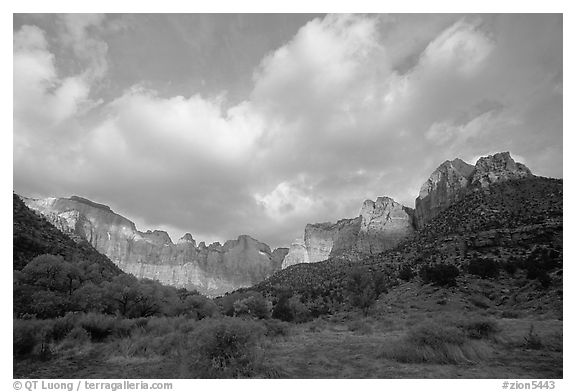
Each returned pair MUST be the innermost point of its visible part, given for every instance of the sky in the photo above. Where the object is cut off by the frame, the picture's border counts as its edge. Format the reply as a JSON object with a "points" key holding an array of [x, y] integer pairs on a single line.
{"points": [[223, 124]]}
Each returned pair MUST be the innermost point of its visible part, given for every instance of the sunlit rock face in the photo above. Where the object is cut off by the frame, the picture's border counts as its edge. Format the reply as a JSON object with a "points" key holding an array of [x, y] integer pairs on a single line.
{"points": [[497, 168], [453, 179], [297, 254], [213, 269], [382, 224]]}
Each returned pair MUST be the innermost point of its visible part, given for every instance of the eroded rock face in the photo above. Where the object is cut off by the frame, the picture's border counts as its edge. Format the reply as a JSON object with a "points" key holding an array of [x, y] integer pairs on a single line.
{"points": [[443, 188], [213, 269], [497, 168], [453, 179], [297, 254], [384, 223], [381, 225]]}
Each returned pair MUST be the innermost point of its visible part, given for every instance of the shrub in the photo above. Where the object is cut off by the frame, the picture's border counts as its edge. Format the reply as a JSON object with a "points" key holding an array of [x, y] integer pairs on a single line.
{"points": [[434, 343], [255, 306], [26, 335], [406, 273], [276, 328], [364, 289], [533, 341], [300, 311], [282, 310], [361, 327], [511, 314], [484, 268], [200, 306], [439, 274], [480, 301], [99, 326], [480, 328], [510, 267], [225, 348], [75, 338], [544, 279], [63, 325]]}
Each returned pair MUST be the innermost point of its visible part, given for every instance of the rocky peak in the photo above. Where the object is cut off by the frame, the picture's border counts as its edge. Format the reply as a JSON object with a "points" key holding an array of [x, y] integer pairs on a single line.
{"points": [[90, 203], [157, 237], [384, 223], [187, 239], [496, 168], [453, 179]]}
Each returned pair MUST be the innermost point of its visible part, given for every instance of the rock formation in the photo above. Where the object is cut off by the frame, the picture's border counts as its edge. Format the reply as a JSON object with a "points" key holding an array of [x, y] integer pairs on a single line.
{"points": [[443, 188], [384, 223], [453, 179], [213, 269], [381, 225]]}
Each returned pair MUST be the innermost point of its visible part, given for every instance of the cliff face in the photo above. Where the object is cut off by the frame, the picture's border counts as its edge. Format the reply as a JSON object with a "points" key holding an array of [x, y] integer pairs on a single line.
{"points": [[213, 269], [384, 223], [381, 225], [454, 179]]}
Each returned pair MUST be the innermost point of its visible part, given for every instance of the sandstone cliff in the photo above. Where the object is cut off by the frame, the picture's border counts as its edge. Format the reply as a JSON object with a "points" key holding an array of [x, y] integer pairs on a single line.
{"points": [[213, 269], [381, 225], [384, 223], [453, 179]]}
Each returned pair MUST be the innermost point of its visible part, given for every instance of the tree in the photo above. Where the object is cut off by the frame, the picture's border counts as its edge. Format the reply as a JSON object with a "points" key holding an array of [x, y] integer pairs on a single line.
{"points": [[282, 310], [365, 288]]}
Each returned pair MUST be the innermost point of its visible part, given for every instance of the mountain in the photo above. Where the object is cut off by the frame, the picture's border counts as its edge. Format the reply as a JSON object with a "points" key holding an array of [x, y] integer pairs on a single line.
{"points": [[33, 236], [453, 179], [381, 225], [517, 224], [212, 270]]}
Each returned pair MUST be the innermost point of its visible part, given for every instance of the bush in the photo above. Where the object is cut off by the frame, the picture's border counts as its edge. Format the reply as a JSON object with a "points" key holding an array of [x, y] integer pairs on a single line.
{"points": [[406, 273], [533, 341], [300, 311], [26, 335], [255, 306], [63, 325], [439, 274], [282, 310], [433, 343], [361, 327], [511, 314], [484, 268], [364, 288], [276, 328], [75, 338], [99, 326], [510, 267], [480, 328], [225, 348]]}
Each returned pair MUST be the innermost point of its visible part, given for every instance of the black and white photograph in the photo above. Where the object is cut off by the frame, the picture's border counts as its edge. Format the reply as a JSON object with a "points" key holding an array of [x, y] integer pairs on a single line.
{"points": [[287, 196]]}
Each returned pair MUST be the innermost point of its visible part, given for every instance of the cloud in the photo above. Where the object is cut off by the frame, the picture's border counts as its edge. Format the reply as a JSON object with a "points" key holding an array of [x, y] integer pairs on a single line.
{"points": [[352, 107]]}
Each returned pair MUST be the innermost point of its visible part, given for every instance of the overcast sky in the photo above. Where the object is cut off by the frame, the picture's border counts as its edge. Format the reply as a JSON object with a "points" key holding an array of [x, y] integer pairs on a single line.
{"points": [[221, 125]]}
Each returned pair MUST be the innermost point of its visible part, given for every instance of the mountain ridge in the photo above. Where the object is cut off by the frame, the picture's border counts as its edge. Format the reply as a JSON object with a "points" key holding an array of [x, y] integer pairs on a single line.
{"points": [[212, 270]]}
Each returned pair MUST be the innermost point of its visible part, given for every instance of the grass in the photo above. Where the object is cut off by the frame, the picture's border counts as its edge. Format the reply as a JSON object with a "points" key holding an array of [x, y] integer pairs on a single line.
{"points": [[435, 343], [403, 344]]}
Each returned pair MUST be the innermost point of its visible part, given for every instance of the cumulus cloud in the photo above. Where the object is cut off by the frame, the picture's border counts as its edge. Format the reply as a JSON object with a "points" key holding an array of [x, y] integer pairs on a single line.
{"points": [[352, 107]]}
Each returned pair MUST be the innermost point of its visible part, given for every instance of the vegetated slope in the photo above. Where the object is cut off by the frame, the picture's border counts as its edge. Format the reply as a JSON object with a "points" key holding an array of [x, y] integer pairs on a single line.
{"points": [[509, 222], [33, 235]]}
